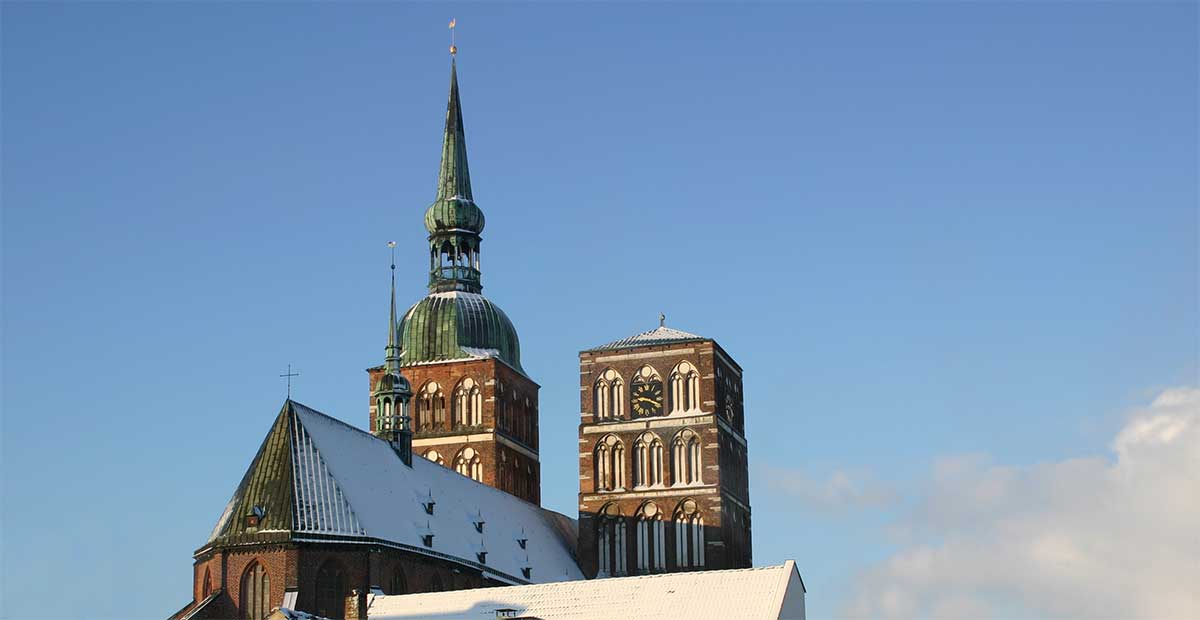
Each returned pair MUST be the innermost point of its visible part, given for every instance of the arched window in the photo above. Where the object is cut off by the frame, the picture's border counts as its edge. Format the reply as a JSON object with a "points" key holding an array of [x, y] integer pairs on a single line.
{"points": [[684, 393], [685, 458], [467, 463], [609, 396], [689, 535], [397, 584], [647, 461], [206, 586], [468, 404], [651, 541], [331, 591], [256, 593], [431, 408], [436, 457], [609, 464], [610, 542]]}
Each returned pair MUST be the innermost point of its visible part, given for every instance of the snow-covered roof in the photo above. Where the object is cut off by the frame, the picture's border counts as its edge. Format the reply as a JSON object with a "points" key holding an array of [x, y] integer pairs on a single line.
{"points": [[658, 335], [772, 592], [319, 479]]}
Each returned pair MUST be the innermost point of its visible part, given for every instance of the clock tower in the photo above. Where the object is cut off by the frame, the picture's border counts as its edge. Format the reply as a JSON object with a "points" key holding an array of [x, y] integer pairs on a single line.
{"points": [[663, 482]]}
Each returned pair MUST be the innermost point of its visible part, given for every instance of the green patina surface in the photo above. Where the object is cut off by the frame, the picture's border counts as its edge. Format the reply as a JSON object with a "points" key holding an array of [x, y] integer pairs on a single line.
{"points": [[450, 326], [454, 208], [266, 485], [456, 321]]}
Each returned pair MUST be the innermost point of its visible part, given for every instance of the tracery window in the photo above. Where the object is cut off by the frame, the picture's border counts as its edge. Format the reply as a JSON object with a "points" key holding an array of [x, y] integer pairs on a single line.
{"points": [[436, 457], [684, 394], [431, 408], [651, 540], [468, 404], [609, 464], [610, 542], [256, 593], [689, 535], [468, 464], [609, 396], [647, 461], [331, 591], [685, 458]]}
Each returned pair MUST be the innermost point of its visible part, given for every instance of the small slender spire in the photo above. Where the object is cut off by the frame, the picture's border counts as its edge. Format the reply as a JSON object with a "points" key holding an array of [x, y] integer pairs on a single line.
{"points": [[454, 178], [393, 350]]}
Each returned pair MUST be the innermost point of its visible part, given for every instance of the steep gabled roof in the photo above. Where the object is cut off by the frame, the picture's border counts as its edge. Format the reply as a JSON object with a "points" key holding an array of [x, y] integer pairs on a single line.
{"points": [[772, 592], [318, 479], [658, 335]]}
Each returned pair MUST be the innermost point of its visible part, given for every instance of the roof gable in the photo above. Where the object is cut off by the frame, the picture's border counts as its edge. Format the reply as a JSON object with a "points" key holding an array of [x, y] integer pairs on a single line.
{"points": [[327, 480]]}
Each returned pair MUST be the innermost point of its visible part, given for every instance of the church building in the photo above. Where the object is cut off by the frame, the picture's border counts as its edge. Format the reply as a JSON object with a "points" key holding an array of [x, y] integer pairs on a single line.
{"points": [[442, 490]]}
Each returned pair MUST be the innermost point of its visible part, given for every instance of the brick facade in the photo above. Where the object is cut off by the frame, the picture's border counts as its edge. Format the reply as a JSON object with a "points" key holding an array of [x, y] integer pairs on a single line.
{"points": [[506, 439], [720, 496], [295, 567]]}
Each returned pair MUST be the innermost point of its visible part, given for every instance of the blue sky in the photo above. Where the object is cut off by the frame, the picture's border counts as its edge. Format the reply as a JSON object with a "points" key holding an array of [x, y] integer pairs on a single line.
{"points": [[925, 230]]}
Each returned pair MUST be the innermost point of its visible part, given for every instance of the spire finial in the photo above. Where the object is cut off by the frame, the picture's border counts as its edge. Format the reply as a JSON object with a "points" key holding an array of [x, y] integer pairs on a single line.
{"points": [[662, 320], [289, 376], [453, 49], [393, 351]]}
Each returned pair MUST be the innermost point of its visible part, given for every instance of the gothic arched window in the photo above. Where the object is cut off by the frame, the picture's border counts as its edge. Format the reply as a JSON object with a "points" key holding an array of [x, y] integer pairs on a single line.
{"points": [[647, 461], [397, 584], [467, 463], [331, 591], [685, 458], [684, 393], [609, 396], [431, 408], [609, 464], [689, 535], [436, 457], [256, 592], [651, 539], [610, 542], [206, 587], [468, 404]]}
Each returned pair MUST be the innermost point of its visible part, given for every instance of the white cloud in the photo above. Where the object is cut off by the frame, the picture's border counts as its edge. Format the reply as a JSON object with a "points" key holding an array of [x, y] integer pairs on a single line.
{"points": [[843, 490], [1115, 537]]}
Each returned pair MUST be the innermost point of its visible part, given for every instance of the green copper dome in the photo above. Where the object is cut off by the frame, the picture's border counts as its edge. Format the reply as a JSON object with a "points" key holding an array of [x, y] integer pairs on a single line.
{"points": [[457, 325]]}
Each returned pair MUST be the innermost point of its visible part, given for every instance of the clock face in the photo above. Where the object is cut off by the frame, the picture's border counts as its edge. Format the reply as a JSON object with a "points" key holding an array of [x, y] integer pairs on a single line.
{"points": [[648, 398]]}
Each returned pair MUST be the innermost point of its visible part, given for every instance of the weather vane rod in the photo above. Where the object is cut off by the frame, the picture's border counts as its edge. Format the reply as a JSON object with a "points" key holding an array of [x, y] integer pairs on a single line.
{"points": [[453, 49]]}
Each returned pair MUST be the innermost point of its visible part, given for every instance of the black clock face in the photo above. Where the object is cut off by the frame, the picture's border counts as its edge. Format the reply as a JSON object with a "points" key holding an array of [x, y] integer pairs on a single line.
{"points": [[648, 398]]}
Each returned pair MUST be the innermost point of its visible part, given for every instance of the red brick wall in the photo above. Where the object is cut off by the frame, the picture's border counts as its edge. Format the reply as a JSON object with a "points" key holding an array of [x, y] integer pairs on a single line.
{"points": [[724, 477], [296, 565], [519, 424]]}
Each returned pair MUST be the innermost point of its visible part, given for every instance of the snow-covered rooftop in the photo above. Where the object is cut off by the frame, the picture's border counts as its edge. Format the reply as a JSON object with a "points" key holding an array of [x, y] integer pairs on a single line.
{"points": [[658, 335], [344, 483], [772, 592]]}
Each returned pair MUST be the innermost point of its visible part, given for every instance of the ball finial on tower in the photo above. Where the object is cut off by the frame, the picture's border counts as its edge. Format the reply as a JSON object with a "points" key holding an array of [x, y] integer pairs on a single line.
{"points": [[453, 49]]}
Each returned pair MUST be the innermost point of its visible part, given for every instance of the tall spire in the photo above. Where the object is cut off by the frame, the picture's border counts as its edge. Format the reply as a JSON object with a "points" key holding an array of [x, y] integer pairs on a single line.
{"points": [[454, 179], [453, 220]]}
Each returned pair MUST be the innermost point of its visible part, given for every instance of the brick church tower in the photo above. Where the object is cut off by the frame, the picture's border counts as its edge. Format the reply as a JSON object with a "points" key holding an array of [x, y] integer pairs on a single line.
{"points": [[663, 482], [473, 407]]}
